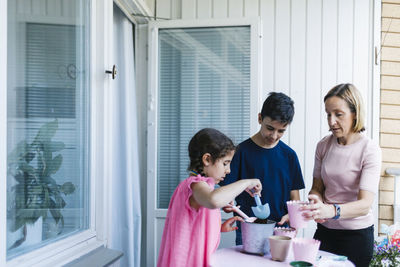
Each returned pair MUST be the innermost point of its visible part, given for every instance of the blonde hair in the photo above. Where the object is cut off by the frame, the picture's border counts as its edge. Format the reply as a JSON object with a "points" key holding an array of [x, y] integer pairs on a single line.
{"points": [[350, 94]]}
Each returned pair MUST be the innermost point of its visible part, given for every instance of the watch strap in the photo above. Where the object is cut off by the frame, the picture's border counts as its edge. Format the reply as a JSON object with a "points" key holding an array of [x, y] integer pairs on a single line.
{"points": [[337, 212]]}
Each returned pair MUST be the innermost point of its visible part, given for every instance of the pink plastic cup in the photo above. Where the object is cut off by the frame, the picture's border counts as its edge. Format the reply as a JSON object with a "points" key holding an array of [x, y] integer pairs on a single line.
{"points": [[285, 231], [305, 249], [296, 218]]}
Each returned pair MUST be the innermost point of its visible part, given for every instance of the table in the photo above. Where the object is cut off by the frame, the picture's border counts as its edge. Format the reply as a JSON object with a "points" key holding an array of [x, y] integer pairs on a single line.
{"points": [[234, 256]]}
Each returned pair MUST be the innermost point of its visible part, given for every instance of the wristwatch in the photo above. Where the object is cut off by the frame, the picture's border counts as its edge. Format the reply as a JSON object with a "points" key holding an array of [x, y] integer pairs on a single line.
{"points": [[337, 212]]}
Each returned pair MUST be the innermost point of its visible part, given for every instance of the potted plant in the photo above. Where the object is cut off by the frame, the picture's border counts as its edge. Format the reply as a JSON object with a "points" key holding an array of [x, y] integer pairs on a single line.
{"points": [[36, 192]]}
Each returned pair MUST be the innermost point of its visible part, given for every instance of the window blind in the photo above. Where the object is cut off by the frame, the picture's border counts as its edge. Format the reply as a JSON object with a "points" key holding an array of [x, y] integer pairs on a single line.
{"points": [[204, 81]]}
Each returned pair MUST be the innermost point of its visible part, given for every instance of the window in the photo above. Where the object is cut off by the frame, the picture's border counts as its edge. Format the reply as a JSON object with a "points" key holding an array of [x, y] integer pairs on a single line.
{"points": [[47, 123], [204, 81]]}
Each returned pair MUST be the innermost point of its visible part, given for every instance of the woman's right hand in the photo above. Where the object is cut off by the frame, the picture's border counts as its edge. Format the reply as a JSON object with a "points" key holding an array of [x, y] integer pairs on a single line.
{"points": [[317, 209], [255, 187]]}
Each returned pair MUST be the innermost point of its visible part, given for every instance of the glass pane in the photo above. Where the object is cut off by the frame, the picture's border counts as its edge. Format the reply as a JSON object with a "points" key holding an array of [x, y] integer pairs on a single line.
{"points": [[204, 81], [47, 122]]}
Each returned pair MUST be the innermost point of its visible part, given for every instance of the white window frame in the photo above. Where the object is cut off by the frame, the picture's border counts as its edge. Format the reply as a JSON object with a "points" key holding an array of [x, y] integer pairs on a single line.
{"points": [[255, 105], [66, 250]]}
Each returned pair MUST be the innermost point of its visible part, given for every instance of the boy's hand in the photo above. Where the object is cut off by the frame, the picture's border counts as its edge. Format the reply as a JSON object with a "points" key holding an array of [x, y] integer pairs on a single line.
{"points": [[255, 187], [284, 219], [227, 226]]}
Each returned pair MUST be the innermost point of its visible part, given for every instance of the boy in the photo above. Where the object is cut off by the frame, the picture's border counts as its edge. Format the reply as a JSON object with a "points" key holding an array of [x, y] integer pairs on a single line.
{"points": [[267, 158]]}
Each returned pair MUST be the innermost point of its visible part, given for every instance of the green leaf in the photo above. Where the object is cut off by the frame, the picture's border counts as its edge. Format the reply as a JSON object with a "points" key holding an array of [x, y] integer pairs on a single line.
{"points": [[47, 157], [20, 178], [46, 132], [56, 214], [46, 201], [68, 188], [60, 203], [54, 165], [50, 181], [19, 151], [29, 156], [25, 167], [54, 146]]}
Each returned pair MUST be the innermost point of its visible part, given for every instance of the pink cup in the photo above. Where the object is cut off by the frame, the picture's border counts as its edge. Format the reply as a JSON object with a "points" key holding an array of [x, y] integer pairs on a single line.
{"points": [[295, 214], [285, 231], [305, 249]]}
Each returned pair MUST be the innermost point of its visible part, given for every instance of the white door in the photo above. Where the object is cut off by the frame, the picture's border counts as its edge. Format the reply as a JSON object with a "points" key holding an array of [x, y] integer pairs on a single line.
{"points": [[201, 74]]}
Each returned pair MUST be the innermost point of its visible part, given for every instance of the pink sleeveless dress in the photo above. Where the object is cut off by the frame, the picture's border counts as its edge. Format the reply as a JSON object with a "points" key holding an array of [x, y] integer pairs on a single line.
{"points": [[190, 236]]}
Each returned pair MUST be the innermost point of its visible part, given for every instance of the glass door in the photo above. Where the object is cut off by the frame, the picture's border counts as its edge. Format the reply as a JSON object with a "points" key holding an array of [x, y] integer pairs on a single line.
{"points": [[200, 76]]}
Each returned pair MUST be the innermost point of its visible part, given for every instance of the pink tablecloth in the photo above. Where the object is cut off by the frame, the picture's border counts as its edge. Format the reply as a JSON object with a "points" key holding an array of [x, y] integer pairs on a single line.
{"points": [[232, 257]]}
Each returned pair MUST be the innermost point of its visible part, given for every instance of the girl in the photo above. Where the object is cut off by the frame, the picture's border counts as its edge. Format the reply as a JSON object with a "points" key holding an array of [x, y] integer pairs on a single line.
{"points": [[193, 224]]}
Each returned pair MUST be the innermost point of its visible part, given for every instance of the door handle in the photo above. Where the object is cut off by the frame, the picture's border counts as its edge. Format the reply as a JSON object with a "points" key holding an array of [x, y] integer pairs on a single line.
{"points": [[113, 72]]}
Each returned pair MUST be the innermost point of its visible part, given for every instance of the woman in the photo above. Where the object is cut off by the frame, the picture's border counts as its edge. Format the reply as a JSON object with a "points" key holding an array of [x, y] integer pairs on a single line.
{"points": [[346, 178]]}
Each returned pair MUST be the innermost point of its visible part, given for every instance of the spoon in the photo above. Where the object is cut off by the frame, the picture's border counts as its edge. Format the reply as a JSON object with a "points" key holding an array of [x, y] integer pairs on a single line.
{"points": [[242, 214]]}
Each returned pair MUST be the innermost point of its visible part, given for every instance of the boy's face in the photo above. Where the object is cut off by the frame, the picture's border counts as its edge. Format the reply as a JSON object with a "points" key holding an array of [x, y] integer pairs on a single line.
{"points": [[271, 131]]}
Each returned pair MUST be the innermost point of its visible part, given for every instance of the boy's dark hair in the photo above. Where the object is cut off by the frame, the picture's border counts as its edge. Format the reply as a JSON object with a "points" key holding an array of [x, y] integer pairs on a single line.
{"points": [[208, 140], [279, 107]]}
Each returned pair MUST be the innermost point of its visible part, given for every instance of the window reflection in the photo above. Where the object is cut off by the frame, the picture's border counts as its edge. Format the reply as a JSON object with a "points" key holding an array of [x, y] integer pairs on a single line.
{"points": [[47, 122]]}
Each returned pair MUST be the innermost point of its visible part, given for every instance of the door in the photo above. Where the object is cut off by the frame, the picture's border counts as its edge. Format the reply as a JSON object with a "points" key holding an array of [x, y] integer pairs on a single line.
{"points": [[201, 75]]}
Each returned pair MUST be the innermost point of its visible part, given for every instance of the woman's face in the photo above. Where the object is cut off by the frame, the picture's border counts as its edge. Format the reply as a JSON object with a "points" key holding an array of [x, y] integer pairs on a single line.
{"points": [[340, 118]]}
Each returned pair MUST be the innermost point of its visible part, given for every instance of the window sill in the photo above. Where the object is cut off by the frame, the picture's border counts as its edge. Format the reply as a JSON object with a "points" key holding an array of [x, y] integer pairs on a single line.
{"points": [[100, 257], [59, 253]]}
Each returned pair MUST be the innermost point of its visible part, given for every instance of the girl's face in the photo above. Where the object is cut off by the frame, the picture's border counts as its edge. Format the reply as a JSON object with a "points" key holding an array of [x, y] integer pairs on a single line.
{"points": [[219, 168], [340, 118]]}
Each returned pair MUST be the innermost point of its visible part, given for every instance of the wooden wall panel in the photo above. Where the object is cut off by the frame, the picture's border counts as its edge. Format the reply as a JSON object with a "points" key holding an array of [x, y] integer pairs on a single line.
{"points": [[308, 46], [297, 80], [220, 9], [251, 8], [235, 8], [204, 9]]}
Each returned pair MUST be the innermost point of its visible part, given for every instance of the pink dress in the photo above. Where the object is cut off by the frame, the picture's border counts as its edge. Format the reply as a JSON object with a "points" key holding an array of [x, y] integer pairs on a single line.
{"points": [[190, 236]]}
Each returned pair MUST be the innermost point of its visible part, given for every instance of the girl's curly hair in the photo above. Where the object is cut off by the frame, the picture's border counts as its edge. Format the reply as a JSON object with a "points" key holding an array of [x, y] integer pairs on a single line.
{"points": [[208, 140]]}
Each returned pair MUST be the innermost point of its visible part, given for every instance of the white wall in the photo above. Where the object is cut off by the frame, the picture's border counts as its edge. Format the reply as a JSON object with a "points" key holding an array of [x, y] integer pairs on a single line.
{"points": [[308, 47]]}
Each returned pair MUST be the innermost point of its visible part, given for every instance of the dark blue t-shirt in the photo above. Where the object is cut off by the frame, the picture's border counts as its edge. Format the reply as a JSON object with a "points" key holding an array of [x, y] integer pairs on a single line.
{"points": [[277, 168]]}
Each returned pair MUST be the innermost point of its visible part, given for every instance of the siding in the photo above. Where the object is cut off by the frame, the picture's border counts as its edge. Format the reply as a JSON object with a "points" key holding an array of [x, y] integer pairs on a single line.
{"points": [[390, 105], [308, 46]]}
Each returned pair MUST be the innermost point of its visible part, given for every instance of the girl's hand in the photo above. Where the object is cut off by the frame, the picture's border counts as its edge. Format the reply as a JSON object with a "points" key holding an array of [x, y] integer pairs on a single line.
{"points": [[228, 208], [284, 219], [317, 210], [254, 188], [227, 226]]}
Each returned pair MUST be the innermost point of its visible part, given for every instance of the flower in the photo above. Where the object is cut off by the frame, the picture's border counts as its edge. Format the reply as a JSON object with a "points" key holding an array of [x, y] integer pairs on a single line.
{"points": [[385, 255]]}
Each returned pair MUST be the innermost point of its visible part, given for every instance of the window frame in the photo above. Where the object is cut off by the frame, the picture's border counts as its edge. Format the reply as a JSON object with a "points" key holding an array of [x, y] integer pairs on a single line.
{"points": [[68, 249], [153, 212]]}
